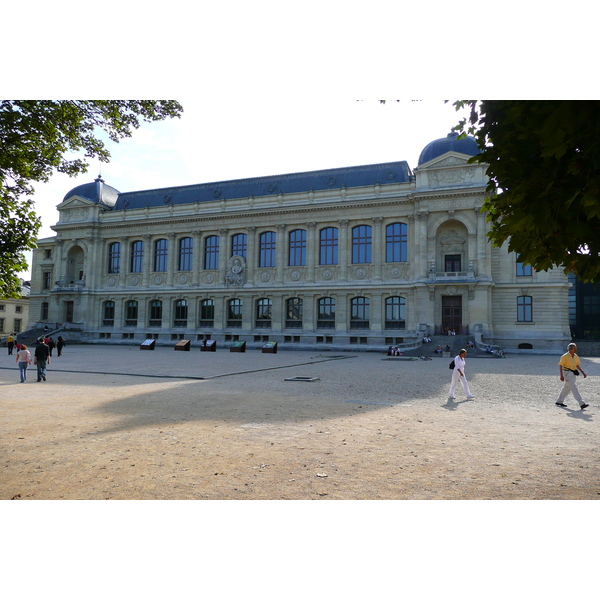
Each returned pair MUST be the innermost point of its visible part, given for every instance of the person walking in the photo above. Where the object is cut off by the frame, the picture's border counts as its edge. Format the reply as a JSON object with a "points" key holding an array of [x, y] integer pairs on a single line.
{"points": [[459, 373], [51, 345], [60, 344], [10, 343], [23, 360], [41, 358], [569, 367]]}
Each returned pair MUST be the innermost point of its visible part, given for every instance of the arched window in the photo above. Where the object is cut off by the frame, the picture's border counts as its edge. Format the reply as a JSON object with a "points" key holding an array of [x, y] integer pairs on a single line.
{"points": [[186, 249], [524, 309], [234, 313], [396, 242], [239, 245], [207, 313], [114, 257], [180, 313], [211, 252], [266, 249], [108, 313], [359, 313], [328, 246], [155, 313], [361, 244], [160, 255], [131, 313], [326, 313], [293, 312], [297, 248], [395, 313], [263, 313], [137, 257]]}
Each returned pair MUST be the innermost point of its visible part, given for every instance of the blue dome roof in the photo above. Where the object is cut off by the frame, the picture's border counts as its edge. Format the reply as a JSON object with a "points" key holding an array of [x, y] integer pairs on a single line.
{"points": [[450, 143], [97, 191]]}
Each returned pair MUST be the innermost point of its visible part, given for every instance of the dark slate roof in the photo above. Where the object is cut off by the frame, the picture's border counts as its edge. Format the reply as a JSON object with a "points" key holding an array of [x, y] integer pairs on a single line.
{"points": [[436, 148], [98, 191], [367, 175]]}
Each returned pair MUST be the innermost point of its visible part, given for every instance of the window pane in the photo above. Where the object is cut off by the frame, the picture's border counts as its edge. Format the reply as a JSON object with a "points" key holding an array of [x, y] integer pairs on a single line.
{"points": [[239, 245], [186, 247], [160, 255], [137, 257], [297, 248], [266, 256], [328, 247], [211, 252], [361, 244], [396, 243], [114, 257]]}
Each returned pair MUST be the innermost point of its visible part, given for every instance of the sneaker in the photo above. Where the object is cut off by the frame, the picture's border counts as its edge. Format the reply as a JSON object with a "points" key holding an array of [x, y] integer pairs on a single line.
{"points": [[560, 404], [44, 377], [584, 405], [470, 397], [451, 397]]}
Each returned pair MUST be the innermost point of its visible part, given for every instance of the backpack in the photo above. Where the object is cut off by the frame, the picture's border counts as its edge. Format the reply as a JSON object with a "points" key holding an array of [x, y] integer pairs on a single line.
{"points": [[451, 365]]}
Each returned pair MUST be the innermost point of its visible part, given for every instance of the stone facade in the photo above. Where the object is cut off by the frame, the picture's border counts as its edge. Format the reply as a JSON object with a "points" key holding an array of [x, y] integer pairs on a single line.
{"points": [[359, 265], [14, 312]]}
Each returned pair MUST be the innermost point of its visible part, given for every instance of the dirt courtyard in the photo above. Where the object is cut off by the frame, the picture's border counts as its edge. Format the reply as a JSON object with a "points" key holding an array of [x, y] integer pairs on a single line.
{"points": [[121, 423]]}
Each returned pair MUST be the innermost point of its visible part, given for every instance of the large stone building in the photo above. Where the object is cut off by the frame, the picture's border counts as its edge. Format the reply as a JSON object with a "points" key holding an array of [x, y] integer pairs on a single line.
{"points": [[357, 257], [14, 312]]}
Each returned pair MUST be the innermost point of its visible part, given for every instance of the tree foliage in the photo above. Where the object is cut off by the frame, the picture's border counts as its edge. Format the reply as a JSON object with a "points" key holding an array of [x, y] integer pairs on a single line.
{"points": [[36, 137], [543, 162]]}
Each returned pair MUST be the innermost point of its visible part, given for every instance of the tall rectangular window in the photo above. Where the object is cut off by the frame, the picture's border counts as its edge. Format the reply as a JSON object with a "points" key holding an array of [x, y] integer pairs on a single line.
{"points": [[266, 249], [395, 312], [361, 244], [239, 245], [211, 252], [297, 248], [131, 313], [328, 246], [45, 310], [524, 309], [47, 280], [155, 319], [264, 308], [359, 313], [326, 313], [137, 256], [234, 313], [293, 319], [181, 313], [452, 263], [396, 242], [108, 317], [207, 313], [160, 255], [186, 248], [114, 257]]}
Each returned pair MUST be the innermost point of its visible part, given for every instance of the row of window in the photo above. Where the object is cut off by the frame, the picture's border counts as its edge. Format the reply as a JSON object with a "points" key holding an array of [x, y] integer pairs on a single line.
{"points": [[395, 313], [396, 249]]}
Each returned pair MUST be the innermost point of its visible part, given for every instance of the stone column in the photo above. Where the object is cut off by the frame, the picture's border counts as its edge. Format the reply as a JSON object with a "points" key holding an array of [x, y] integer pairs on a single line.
{"points": [[124, 263], [223, 255], [375, 305], [171, 258], [344, 256], [251, 256], [377, 249], [148, 252], [280, 253], [312, 251], [196, 258]]}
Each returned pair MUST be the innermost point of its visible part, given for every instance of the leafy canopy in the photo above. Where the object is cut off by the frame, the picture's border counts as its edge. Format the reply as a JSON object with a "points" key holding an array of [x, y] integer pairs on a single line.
{"points": [[35, 137], [544, 170]]}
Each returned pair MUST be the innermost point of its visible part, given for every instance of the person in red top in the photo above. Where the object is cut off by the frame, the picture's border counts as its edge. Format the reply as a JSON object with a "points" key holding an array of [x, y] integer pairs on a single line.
{"points": [[569, 367]]}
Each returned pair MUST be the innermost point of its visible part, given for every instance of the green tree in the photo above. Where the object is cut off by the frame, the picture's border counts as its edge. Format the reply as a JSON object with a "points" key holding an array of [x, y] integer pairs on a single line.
{"points": [[543, 162], [36, 138]]}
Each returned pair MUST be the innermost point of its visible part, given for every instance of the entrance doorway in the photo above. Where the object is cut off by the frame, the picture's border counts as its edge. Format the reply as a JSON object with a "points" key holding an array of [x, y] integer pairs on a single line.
{"points": [[69, 311], [452, 313]]}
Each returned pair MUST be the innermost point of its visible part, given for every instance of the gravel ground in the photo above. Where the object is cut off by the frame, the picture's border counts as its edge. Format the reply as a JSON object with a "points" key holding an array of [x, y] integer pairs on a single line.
{"points": [[120, 423]]}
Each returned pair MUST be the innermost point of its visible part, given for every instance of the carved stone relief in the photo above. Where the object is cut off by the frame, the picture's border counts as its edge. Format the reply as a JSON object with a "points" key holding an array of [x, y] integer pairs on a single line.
{"points": [[236, 274]]}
